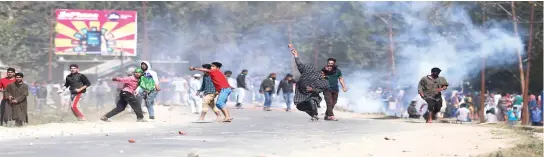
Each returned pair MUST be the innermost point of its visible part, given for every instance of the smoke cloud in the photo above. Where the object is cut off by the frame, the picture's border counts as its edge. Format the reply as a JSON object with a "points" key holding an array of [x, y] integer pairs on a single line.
{"points": [[419, 46], [454, 44]]}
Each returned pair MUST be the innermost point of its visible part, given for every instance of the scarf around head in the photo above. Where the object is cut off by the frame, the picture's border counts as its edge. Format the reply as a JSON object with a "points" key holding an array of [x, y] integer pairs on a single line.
{"points": [[309, 76]]}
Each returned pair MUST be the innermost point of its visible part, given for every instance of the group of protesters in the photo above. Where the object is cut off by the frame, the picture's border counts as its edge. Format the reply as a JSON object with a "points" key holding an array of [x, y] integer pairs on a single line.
{"points": [[213, 88]]}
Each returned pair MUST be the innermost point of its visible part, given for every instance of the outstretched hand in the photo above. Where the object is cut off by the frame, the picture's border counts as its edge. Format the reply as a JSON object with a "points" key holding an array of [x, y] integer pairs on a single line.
{"points": [[191, 68]]}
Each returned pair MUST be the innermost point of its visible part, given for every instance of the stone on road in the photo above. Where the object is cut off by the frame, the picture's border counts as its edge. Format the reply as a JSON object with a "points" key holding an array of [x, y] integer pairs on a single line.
{"points": [[252, 133]]}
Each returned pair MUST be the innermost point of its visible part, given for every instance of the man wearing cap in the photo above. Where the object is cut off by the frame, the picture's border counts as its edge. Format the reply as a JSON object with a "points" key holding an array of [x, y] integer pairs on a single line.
{"points": [[127, 96], [430, 89], [194, 99]]}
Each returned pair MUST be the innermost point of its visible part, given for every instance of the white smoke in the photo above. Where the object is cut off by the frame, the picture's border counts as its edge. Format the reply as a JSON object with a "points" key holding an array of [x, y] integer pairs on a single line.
{"points": [[419, 43], [420, 47]]}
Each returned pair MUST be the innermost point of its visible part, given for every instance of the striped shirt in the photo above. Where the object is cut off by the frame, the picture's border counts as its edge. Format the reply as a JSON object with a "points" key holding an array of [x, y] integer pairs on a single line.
{"points": [[207, 85]]}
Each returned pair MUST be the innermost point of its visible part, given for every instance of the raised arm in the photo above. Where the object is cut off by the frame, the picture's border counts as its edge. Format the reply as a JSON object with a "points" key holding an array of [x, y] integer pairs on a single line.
{"points": [[199, 69]]}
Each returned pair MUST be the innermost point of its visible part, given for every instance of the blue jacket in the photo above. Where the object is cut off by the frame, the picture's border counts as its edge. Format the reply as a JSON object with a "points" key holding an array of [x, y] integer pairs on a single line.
{"points": [[536, 115]]}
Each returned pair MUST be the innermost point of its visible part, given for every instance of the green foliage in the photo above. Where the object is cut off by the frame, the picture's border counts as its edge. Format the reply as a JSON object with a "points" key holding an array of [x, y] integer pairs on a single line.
{"points": [[341, 28]]}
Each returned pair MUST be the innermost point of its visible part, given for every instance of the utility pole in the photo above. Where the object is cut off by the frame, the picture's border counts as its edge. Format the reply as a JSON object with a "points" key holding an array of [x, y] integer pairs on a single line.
{"points": [[50, 64], [520, 62], [391, 48], [482, 86], [145, 48], [391, 51], [528, 70]]}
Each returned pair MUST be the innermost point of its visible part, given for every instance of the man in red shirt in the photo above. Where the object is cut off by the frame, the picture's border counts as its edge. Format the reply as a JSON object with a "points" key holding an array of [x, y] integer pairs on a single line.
{"points": [[221, 85], [4, 82]]}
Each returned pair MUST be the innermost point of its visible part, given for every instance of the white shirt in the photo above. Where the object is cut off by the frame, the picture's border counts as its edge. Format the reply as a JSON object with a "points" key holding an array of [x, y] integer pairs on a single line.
{"points": [[232, 82], [496, 99], [462, 114], [194, 86], [179, 84]]}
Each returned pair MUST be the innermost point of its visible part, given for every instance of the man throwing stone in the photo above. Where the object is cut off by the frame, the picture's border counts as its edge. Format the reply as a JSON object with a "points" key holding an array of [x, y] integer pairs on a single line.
{"points": [[430, 89], [221, 86], [310, 84]]}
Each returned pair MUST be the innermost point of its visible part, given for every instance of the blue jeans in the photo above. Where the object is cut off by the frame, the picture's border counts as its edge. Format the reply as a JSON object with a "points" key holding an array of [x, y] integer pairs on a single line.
{"points": [[267, 99], [223, 97], [288, 97], [149, 99]]}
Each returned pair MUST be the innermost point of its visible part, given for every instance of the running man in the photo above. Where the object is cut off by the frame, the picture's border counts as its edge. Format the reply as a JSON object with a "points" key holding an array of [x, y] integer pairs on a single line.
{"points": [[430, 89], [221, 86], [77, 84]]}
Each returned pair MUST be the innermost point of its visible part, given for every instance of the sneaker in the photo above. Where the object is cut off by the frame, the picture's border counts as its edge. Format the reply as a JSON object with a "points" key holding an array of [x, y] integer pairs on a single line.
{"points": [[315, 118], [152, 117], [105, 119], [330, 118]]}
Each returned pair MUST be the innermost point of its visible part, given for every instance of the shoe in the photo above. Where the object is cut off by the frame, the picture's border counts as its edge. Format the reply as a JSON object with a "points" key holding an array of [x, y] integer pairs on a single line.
{"points": [[141, 120], [152, 117], [330, 118], [314, 118], [287, 110], [81, 119], [105, 119]]}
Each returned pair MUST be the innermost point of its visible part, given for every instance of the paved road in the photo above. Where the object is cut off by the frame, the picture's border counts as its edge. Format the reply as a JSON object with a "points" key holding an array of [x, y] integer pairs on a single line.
{"points": [[252, 133]]}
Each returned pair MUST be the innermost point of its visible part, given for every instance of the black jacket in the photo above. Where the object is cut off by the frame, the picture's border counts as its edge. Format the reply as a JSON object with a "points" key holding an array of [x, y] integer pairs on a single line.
{"points": [[75, 81], [241, 81], [286, 86], [267, 83]]}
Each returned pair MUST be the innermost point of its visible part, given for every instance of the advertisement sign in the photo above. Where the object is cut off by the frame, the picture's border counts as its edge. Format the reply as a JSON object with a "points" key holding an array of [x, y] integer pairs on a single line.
{"points": [[96, 32]]}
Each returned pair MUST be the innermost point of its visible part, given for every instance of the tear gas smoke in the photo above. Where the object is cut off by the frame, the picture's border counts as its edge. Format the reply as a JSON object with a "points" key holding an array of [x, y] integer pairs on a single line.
{"points": [[455, 45], [420, 47]]}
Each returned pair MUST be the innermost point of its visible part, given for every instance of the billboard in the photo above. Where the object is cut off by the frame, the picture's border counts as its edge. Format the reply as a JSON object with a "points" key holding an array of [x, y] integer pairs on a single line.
{"points": [[96, 32]]}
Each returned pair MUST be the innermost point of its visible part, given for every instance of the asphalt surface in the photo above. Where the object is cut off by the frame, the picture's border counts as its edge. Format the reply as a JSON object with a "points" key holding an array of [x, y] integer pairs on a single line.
{"points": [[252, 133]]}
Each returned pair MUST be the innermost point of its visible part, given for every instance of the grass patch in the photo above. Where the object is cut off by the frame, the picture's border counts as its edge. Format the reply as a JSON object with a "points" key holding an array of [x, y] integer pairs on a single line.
{"points": [[528, 145]]}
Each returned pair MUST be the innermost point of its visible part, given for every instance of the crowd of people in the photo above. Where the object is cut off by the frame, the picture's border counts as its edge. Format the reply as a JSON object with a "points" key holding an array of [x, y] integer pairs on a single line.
{"points": [[212, 88]]}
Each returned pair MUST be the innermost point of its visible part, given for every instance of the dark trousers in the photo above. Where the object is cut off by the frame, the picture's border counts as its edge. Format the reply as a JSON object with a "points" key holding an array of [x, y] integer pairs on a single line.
{"points": [[126, 98], [310, 107], [331, 97], [414, 116], [433, 106], [3, 104]]}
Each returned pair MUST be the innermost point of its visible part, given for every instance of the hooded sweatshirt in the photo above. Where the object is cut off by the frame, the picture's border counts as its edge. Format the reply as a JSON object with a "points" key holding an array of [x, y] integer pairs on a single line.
{"points": [[149, 78]]}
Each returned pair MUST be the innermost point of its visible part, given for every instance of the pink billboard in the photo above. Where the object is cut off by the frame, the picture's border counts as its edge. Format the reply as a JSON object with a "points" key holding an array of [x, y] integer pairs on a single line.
{"points": [[96, 32]]}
